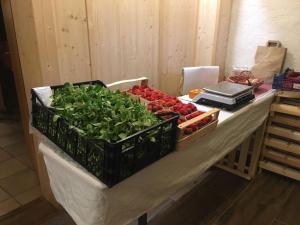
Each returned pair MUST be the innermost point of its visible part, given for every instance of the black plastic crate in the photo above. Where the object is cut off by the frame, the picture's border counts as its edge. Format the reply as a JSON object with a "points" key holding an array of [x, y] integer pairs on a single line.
{"points": [[109, 162]]}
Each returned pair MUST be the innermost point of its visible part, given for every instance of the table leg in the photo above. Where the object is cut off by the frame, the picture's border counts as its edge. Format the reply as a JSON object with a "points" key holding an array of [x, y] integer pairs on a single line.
{"points": [[142, 220]]}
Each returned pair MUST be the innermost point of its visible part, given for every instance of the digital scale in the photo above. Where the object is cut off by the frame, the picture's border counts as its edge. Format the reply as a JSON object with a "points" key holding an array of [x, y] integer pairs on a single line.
{"points": [[225, 95]]}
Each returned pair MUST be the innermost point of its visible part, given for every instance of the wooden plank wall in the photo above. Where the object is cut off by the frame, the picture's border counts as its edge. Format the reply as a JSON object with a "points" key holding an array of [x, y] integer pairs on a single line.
{"points": [[123, 39], [75, 40], [177, 40]]}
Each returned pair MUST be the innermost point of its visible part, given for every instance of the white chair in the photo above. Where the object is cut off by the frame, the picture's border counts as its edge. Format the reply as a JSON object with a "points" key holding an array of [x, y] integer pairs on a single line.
{"points": [[198, 77]]}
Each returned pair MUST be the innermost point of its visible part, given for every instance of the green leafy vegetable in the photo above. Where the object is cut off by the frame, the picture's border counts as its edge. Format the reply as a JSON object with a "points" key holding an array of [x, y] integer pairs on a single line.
{"points": [[98, 112]]}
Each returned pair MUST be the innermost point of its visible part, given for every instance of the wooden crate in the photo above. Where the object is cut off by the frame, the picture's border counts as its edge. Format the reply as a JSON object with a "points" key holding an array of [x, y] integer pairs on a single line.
{"points": [[281, 149], [243, 161], [183, 139]]}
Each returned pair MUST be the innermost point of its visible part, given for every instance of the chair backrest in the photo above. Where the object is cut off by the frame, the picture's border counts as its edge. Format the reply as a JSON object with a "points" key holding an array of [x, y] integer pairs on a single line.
{"points": [[198, 77]]}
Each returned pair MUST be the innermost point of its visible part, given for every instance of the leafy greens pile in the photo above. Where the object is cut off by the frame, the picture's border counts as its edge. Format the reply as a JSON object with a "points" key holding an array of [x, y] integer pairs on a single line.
{"points": [[98, 112]]}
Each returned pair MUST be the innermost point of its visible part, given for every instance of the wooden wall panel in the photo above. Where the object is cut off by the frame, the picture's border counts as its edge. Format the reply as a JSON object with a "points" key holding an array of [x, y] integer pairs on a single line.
{"points": [[72, 40], [119, 39], [27, 45], [63, 41], [222, 34], [206, 32], [178, 22], [46, 41], [123, 39]]}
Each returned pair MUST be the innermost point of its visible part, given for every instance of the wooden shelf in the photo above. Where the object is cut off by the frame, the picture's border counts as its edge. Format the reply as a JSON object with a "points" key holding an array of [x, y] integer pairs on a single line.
{"points": [[280, 169], [285, 108], [286, 120], [288, 94], [282, 158], [285, 146], [284, 132], [281, 152]]}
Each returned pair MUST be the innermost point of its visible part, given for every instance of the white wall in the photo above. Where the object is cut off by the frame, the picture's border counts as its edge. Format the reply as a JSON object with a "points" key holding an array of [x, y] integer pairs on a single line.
{"points": [[253, 22]]}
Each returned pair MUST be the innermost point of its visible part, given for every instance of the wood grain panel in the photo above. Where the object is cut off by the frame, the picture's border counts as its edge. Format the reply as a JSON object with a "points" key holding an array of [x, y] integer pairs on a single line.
{"points": [[178, 24], [206, 35], [27, 44], [46, 41], [222, 34], [72, 41], [124, 39]]}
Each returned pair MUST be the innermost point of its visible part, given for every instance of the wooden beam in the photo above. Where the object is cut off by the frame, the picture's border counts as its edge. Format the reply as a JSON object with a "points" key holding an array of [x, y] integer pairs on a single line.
{"points": [[282, 145], [18, 76], [282, 158], [286, 120], [257, 148], [280, 169], [222, 34], [285, 108], [284, 132]]}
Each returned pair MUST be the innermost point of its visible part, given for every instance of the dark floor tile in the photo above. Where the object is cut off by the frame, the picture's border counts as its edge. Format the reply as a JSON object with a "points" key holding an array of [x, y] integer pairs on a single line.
{"points": [[227, 184], [29, 214], [290, 213], [61, 218], [276, 222], [196, 208], [261, 203]]}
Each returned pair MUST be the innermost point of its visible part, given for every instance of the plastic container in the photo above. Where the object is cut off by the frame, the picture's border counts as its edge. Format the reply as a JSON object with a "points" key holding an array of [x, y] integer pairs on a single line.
{"points": [[283, 82], [109, 162]]}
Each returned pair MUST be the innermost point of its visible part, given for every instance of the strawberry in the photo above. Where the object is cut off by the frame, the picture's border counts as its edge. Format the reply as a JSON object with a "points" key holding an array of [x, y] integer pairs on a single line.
{"points": [[188, 131], [183, 112], [188, 117], [169, 104], [193, 126], [198, 113], [155, 108], [135, 87]]}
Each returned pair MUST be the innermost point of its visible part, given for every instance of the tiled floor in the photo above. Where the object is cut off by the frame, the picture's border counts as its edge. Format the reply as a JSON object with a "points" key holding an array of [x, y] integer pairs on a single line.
{"points": [[18, 182]]}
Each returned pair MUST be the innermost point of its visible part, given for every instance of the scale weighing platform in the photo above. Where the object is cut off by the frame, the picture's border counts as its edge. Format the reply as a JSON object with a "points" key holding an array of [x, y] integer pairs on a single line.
{"points": [[225, 95]]}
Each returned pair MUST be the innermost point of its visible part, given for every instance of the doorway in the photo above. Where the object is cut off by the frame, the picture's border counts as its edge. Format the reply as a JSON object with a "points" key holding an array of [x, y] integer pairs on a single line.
{"points": [[18, 181]]}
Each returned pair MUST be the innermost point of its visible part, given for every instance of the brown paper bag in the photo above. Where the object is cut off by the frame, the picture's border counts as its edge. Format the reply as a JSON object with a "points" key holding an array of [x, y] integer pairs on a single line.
{"points": [[269, 60]]}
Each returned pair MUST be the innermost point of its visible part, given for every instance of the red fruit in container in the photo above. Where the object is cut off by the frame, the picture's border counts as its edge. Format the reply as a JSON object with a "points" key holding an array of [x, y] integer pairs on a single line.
{"points": [[188, 117], [169, 104], [192, 107], [198, 113], [183, 112], [135, 87], [188, 130], [155, 108], [138, 92], [193, 126], [189, 110]]}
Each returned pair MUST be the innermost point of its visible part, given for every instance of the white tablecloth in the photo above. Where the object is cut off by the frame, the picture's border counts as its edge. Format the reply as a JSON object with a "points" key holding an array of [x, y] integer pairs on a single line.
{"points": [[90, 202]]}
